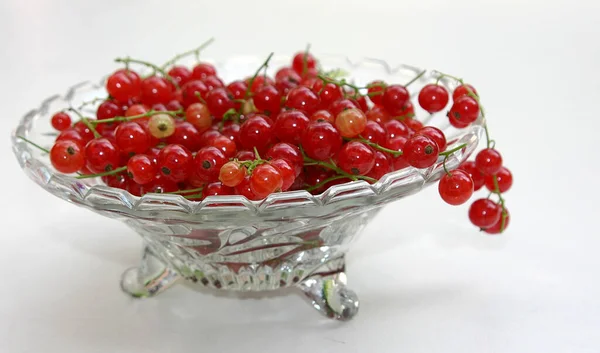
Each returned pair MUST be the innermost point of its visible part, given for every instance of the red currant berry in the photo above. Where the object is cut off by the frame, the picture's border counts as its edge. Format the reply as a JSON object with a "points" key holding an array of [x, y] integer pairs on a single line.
{"points": [[141, 169], [61, 121], [198, 115], [488, 161], [131, 137], [135, 79], [477, 176], [180, 74], [456, 123], [237, 90], [340, 105], [84, 131], [378, 114], [118, 181], [395, 129], [436, 135], [174, 162], [218, 102], [321, 141], [121, 87], [464, 110], [137, 109], [375, 133], [286, 79], [267, 100], [187, 135], [232, 131], [302, 62], [232, 173], [356, 158], [322, 115], [501, 225], [245, 190], [288, 152], [408, 112], [351, 122], [259, 82], [160, 185], [504, 178], [397, 144], [213, 82], [225, 145], [67, 156], [208, 163], [316, 175], [456, 187], [71, 135], [414, 125], [420, 151], [161, 125], [245, 156], [329, 93], [156, 90], [265, 180], [381, 167], [484, 213], [208, 137], [302, 98], [174, 105], [463, 90], [394, 99], [290, 125], [216, 189], [287, 172], [256, 132], [191, 90], [433, 98], [101, 155], [375, 92], [203, 70], [362, 103]]}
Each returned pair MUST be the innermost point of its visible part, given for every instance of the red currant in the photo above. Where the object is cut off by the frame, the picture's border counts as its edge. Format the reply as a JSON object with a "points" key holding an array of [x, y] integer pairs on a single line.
{"points": [[84, 131], [61, 121], [381, 167], [71, 135], [265, 180], [180, 74], [477, 176], [464, 110], [207, 164], [217, 189], [340, 105], [414, 125], [394, 99], [484, 213], [136, 109], [488, 161], [256, 132], [375, 133], [356, 158], [302, 98], [267, 100], [161, 125], [174, 162], [286, 79], [378, 114], [232, 173], [501, 225], [260, 81], [187, 135], [321, 141], [288, 152], [213, 82], [160, 185], [456, 187], [420, 151], [198, 115], [203, 70], [232, 131], [287, 172], [219, 102], [141, 169], [463, 90], [322, 115], [101, 155], [316, 175], [290, 125], [174, 105], [121, 87], [302, 62], [245, 190], [436, 135], [225, 145], [504, 178], [118, 181], [351, 122], [395, 129], [433, 98], [156, 90], [245, 156], [131, 137], [376, 89], [329, 93], [67, 156], [191, 90], [208, 137]]}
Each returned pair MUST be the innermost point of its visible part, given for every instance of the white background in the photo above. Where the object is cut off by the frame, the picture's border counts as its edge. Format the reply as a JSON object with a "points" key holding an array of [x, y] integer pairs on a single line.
{"points": [[427, 280]]}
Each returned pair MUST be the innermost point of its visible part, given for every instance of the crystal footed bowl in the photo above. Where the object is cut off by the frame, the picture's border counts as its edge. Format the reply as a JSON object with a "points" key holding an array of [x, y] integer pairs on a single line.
{"points": [[228, 242]]}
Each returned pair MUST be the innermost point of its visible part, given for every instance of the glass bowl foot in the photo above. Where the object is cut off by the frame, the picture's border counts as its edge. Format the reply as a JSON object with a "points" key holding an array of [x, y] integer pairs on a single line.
{"points": [[149, 279], [330, 296]]}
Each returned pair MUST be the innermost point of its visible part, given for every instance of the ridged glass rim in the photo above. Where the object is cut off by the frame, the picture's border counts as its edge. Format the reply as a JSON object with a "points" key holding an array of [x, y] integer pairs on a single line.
{"points": [[390, 187]]}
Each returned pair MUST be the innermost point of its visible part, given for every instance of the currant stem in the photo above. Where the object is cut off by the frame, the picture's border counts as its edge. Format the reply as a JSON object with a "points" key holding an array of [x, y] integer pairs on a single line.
{"points": [[335, 168], [185, 191], [172, 113], [195, 51], [129, 60], [256, 154], [445, 168], [415, 78], [86, 122], [380, 148], [264, 65], [501, 200], [199, 96], [324, 182], [34, 144], [305, 60], [110, 172], [449, 152]]}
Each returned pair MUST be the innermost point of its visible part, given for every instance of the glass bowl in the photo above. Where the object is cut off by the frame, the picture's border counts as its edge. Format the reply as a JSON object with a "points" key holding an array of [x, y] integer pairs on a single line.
{"points": [[229, 242]]}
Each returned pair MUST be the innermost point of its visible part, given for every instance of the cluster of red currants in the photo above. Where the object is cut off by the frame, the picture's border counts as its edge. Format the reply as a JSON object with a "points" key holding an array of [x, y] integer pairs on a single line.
{"points": [[187, 132]]}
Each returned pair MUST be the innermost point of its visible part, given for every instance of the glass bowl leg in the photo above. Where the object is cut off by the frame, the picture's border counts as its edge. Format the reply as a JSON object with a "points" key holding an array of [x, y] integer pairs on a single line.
{"points": [[150, 278], [329, 294]]}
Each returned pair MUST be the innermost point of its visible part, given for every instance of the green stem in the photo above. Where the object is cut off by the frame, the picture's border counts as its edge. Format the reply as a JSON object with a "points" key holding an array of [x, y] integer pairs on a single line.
{"points": [[187, 191], [445, 168], [189, 52], [321, 184], [415, 78], [34, 144], [264, 65], [335, 168], [256, 154], [116, 119], [86, 122], [501, 200], [305, 60], [380, 148], [110, 172], [449, 152], [156, 68]]}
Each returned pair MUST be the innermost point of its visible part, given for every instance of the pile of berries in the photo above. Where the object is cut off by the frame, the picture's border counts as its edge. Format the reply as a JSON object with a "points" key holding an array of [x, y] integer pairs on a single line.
{"points": [[185, 131]]}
